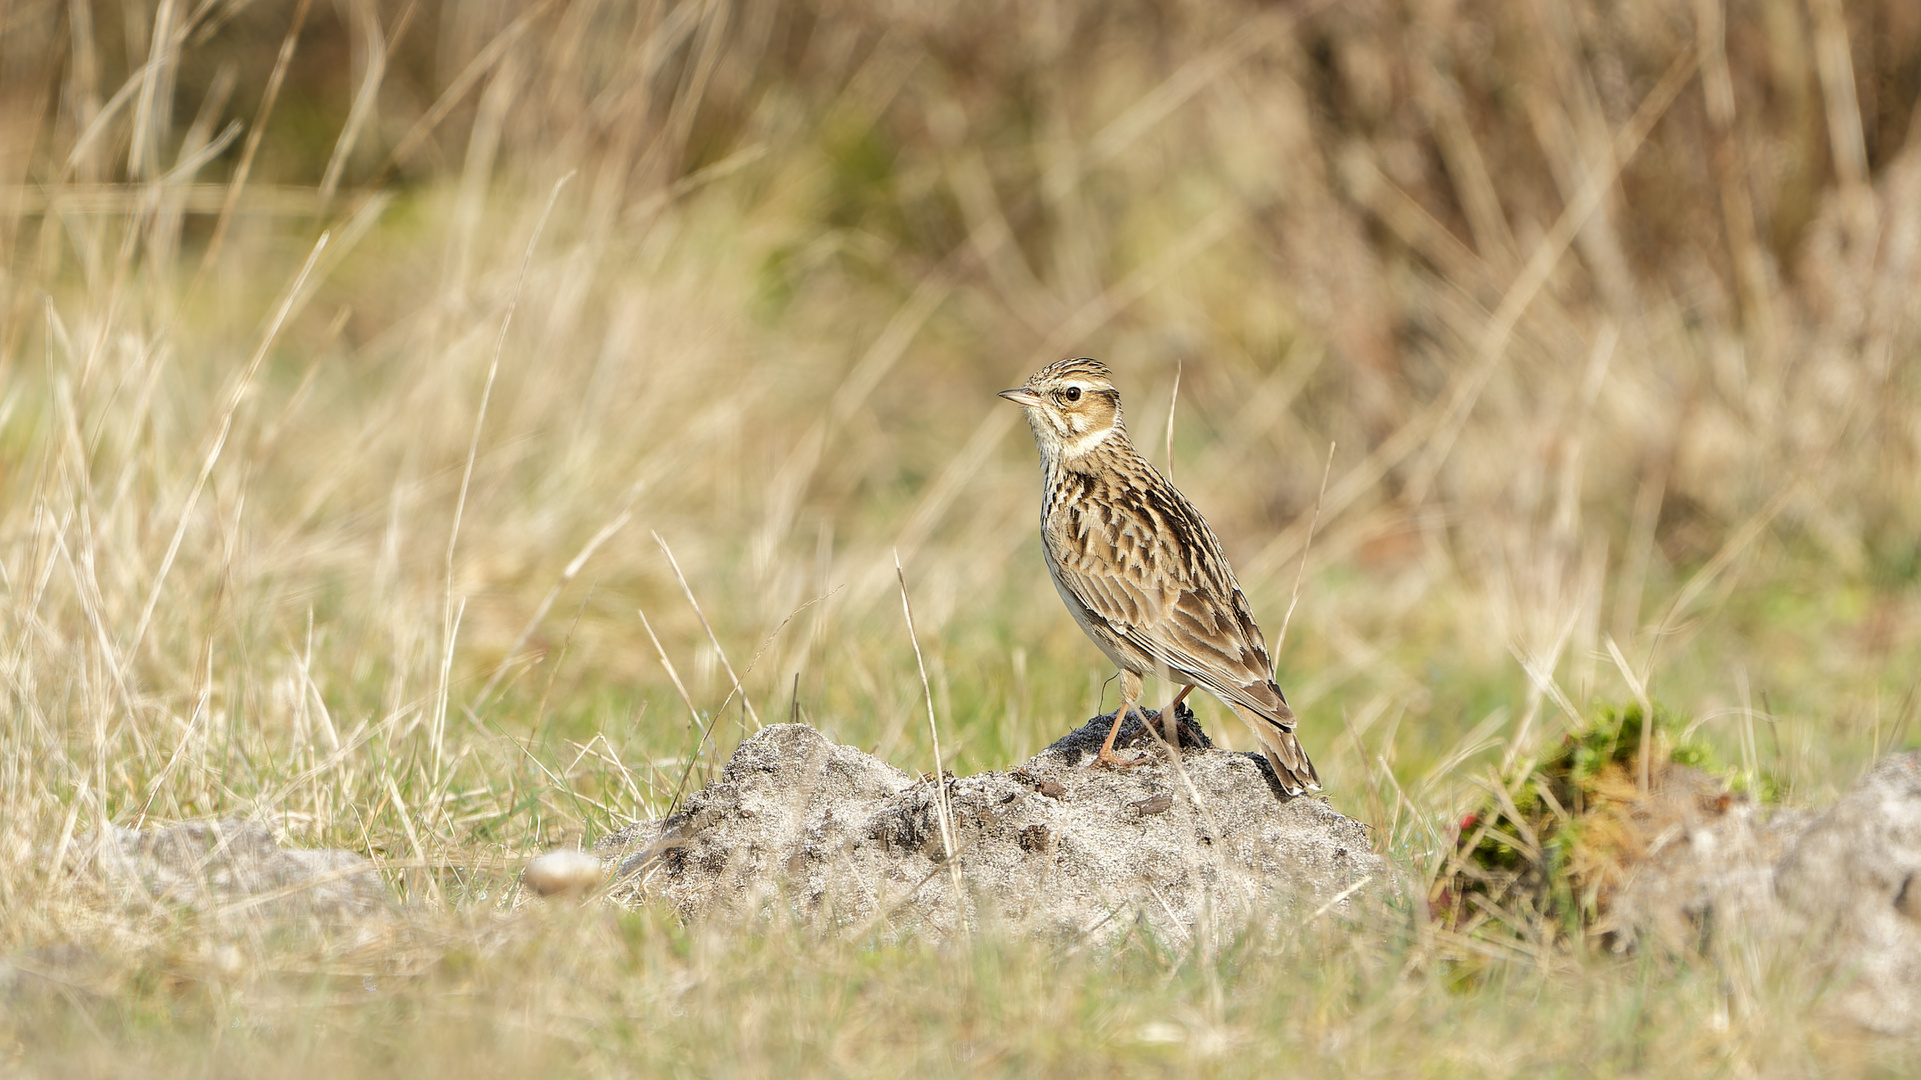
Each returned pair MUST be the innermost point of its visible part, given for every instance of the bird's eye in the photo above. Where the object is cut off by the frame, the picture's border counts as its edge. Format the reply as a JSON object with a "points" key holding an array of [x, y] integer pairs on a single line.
{"points": [[1073, 393]]}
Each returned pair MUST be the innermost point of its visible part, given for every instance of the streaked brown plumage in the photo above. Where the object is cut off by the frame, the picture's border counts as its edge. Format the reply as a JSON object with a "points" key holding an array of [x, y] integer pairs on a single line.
{"points": [[1140, 570]]}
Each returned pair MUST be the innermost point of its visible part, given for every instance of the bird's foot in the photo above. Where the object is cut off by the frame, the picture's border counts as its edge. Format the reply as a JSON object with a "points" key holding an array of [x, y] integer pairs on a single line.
{"points": [[1111, 760]]}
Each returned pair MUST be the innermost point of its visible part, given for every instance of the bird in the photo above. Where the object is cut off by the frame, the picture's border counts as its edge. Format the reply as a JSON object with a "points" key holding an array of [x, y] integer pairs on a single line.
{"points": [[1141, 572]]}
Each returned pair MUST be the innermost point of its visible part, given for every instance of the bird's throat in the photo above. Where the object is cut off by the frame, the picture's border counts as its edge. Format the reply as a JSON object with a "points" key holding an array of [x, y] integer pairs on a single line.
{"points": [[1080, 446]]}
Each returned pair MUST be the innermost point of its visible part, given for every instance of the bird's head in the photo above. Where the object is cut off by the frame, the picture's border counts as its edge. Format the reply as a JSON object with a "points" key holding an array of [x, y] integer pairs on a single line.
{"points": [[1071, 405]]}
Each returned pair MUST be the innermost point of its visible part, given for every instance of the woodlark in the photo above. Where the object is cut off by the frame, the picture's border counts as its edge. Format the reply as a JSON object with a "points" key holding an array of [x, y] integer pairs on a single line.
{"points": [[1141, 571]]}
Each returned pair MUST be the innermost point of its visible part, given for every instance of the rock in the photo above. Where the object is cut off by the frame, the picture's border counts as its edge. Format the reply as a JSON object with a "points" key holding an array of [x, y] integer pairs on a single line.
{"points": [[1709, 866], [564, 871], [232, 872], [1842, 883], [1853, 876], [1051, 845]]}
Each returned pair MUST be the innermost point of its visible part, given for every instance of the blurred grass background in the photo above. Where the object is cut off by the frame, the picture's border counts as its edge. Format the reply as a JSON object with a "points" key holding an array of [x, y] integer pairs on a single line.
{"points": [[363, 362]]}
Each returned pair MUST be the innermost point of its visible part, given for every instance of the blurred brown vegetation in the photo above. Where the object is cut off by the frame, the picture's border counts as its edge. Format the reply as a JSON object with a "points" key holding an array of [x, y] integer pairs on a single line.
{"points": [[1600, 307], [350, 350], [1389, 169]]}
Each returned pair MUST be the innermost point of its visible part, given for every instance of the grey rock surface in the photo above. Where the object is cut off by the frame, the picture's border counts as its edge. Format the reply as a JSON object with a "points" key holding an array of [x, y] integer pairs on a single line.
{"points": [[233, 871], [1853, 879], [1051, 845], [1711, 868], [1842, 884]]}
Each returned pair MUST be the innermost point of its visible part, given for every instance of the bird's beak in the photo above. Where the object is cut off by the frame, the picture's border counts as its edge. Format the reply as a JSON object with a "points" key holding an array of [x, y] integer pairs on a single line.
{"points": [[1021, 396]]}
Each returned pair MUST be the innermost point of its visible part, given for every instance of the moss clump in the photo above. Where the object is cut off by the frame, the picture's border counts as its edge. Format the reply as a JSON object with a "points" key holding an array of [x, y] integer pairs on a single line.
{"points": [[1544, 851]]}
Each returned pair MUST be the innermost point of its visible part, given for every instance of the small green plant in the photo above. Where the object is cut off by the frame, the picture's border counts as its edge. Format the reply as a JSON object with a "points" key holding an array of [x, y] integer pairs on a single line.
{"points": [[1552, 839]]}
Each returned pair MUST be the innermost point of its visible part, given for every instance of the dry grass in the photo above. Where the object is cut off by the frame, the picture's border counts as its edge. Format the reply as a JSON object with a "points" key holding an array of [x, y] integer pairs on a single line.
{"points": [[1607, 311]]}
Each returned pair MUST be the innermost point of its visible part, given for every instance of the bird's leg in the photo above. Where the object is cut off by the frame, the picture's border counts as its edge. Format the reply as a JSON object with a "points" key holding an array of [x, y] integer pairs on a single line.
{"points": [[1130, 694], [1169, 725]]}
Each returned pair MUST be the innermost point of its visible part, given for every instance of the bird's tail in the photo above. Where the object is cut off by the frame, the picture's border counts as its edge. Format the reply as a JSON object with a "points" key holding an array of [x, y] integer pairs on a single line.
{"points": [[1291, 766]]}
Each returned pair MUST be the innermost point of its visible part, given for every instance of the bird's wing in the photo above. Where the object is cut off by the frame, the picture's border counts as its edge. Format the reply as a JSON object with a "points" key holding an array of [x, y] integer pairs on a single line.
{"points": [[1145, 563]]}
